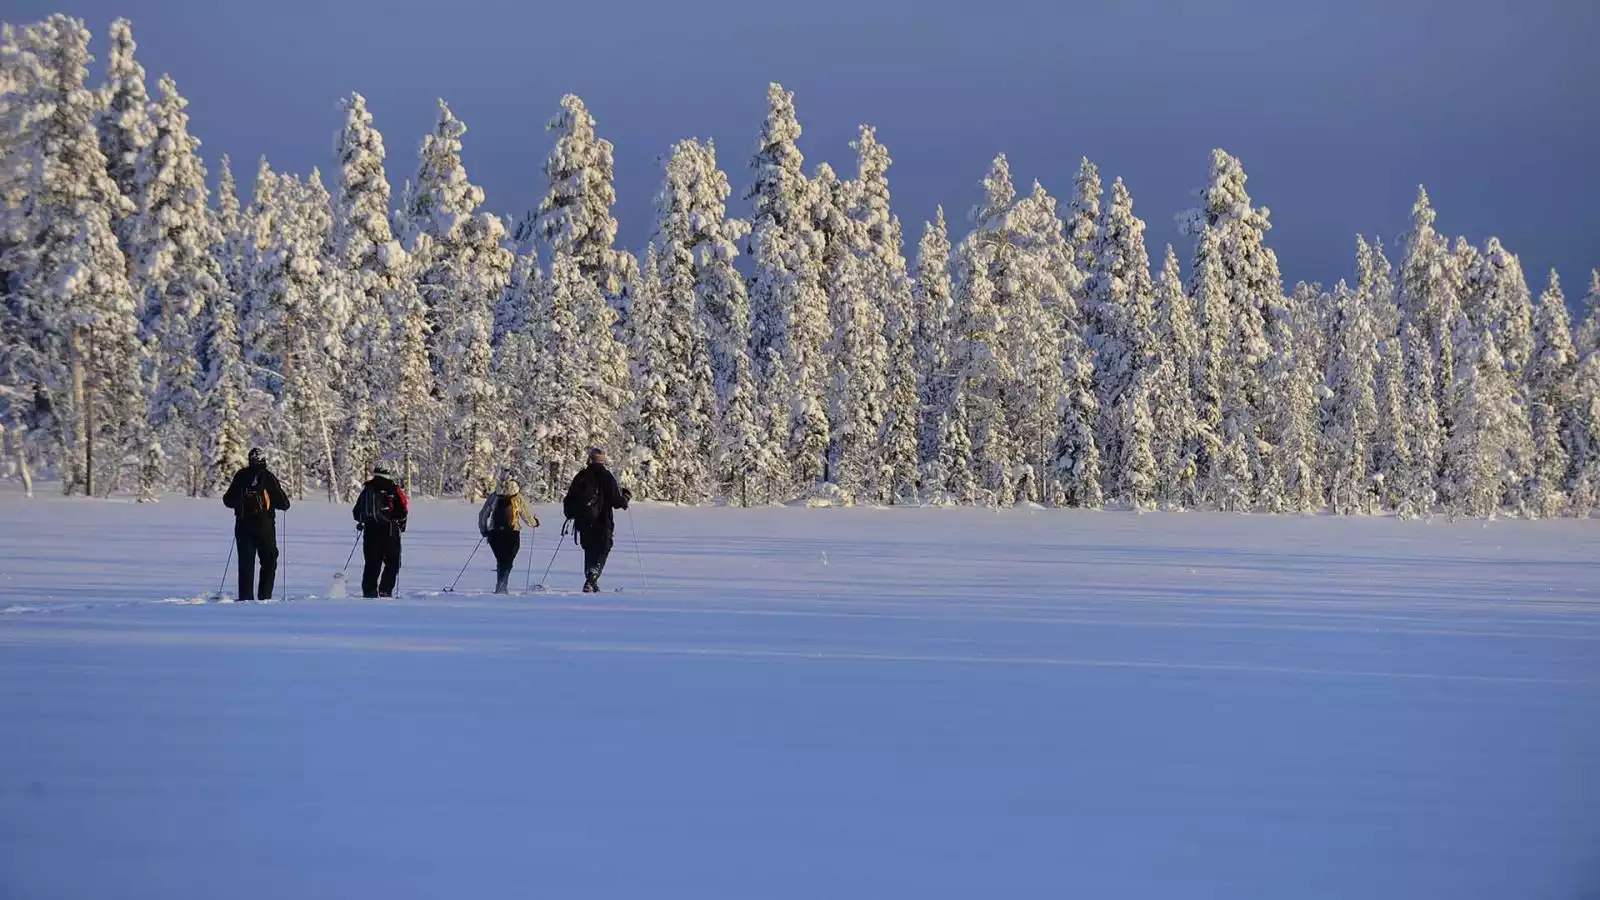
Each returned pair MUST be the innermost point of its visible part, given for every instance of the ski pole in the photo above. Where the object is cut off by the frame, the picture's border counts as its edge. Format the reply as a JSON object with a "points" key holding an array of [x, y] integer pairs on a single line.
{"points": [[452, 588], [636, 554], [283, 555], [352, 555], [225, 567], [527, 576], [559, 541]]}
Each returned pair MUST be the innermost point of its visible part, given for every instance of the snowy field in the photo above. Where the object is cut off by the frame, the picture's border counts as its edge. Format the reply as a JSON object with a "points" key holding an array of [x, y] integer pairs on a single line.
{"points": [[806, 704]]}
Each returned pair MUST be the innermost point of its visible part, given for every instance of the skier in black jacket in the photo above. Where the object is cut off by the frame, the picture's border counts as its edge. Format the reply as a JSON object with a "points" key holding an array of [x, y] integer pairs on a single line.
{"points": [[255, 496], [591, 498], [381, 513]]}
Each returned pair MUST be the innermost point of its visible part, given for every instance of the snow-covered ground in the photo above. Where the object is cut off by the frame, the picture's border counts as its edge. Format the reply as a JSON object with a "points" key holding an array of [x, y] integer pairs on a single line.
{"points": [[806, 704]]}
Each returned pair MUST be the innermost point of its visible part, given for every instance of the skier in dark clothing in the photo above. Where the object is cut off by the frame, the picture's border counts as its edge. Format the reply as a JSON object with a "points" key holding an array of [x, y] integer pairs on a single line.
{"points": [[591, 498], [380, 513], [255, 496]]}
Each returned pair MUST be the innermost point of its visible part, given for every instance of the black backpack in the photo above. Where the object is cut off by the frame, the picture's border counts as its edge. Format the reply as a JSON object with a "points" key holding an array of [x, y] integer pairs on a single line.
{"points": [[500, 519], [256, 500], [380, 506], [584, 502]]}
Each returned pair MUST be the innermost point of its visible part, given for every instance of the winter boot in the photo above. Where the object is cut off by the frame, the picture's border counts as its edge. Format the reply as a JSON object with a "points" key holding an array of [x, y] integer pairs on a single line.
{"points": [[501, 585]]}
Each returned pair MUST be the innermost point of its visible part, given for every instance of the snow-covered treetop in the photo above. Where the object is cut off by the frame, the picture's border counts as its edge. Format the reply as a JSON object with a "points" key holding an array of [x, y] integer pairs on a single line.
{"points": [[872, 178], [779, 186], [172, 227], [363, 200], [574, 217], [1083, 213], [50, 62], [999, 195], [1224, 200], [228, 210], [442, 196], [123, 121]]}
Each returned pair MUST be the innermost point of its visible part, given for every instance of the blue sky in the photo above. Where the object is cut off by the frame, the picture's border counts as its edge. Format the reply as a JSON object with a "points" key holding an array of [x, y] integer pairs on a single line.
{"points": [[1338, 109]]}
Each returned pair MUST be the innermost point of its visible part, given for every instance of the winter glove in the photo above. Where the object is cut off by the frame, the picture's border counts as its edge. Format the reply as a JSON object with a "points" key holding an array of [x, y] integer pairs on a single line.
{"points": [[536, 521], [627, 495], [361, 526]]}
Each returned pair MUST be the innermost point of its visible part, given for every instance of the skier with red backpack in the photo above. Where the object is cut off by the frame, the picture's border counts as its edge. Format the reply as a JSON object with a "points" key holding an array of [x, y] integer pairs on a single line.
{"points": [[380, 513], [255, 495], [594, 493]]}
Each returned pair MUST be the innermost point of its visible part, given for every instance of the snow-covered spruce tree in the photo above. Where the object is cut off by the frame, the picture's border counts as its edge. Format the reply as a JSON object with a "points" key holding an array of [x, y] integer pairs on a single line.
{"points": [[260, 235], [1584, 436], [780, 228], [654, 450], [978, 361], [465, 270], [1294, 383], [684, 361], [581, 387], [865, 277], [786, 297], [746, 450], [411, 421], [70, 302], [1250, 278], [574, 216], [225, 394], [125, 129], [854, 347], [1551, 371], [514, 310], [1480, 458], [173, 241], [1497, 298], [712, 240], [951, 471], [650, 433], [932, 299], [1354, 406], [1428, 294], [298, 330], [1083, 217], [882, 267], [231, 228], [369, 259], [1177, 439], [1391, 449], [1121, 316], [988, 364], [1586, 339], [1424, 435], [1212, 372], [1044, 334], [1075, 467], [1382, 294]]}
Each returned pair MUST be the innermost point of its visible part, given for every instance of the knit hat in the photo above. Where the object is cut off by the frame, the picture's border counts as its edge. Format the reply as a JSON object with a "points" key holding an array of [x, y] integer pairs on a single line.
{"points": [[597, 454], [382, 468], [258, 456], [510, 488]]}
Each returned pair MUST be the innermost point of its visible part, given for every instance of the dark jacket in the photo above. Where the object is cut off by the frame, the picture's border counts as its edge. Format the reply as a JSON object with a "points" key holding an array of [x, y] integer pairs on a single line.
{"points": [[376, 484], [261, 477], [595, 476]]}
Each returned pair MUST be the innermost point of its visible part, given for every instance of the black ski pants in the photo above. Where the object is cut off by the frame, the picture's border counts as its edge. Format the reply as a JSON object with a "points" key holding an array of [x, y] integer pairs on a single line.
{"points": [[381, 548], [505, 545], [253, 538], [596, 543]]}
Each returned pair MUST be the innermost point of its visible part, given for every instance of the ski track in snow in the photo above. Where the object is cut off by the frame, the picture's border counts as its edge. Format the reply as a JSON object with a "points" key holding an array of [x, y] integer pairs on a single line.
{"points": [[804, 703]]}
